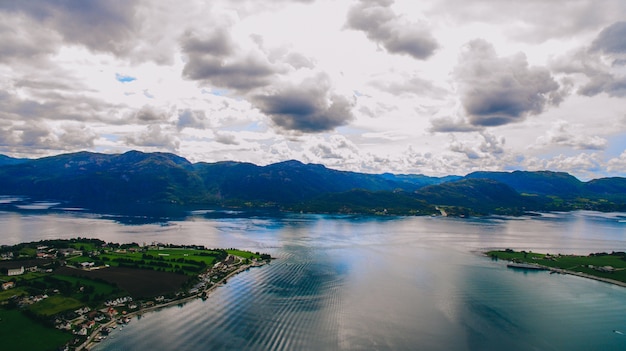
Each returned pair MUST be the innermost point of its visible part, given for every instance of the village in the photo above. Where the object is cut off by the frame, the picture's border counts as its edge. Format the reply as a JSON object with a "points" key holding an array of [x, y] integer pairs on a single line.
{"points": [[86, 287]]}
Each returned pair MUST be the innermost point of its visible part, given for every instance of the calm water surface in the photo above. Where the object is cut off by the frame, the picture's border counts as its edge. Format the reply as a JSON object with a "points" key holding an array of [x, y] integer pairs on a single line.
{"points": [[354, 283]]}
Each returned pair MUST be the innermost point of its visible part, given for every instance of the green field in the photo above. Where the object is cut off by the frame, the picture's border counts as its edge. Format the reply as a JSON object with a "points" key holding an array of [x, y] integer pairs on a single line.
{"points": [[177, 260], [7, 294], [172, 260], [55, 304], [118, 270], [585, 264], [244, 254], [18, 332]]}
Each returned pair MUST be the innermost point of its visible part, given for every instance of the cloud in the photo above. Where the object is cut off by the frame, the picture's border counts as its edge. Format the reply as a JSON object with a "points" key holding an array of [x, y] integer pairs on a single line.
{"points": [[611, 39], [19, 43], [336, 147], [534, 21], [43, 137], [308, 107], [605, 83], [191, 119], [561, 135], [584, 164], [297, 61], [52, 105], [213, 58], [412, 85], [501, 90], [487, 146], [617, 164], [155, 137], [150, 114], [100, 25], [601, 63], [452, 125], [75, 135], [226, 139], [381, 25]]}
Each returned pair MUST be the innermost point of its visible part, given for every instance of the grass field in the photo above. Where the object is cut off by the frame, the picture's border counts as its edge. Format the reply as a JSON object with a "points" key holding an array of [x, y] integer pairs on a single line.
{"points": [[18, 332], [55, 304], [571, 262], [7, 294], [183, 261], [244, 254]]}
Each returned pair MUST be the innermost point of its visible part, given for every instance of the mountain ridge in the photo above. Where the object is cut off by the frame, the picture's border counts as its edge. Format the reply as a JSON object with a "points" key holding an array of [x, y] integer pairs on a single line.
{"points": [[137, 178]]}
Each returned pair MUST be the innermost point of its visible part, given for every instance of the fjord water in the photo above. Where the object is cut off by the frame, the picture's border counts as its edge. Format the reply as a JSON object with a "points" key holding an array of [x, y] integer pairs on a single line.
{"points": [[357, 283]]}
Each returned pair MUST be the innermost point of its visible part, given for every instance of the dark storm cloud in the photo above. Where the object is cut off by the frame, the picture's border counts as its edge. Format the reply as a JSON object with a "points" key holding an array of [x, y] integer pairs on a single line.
{"points": [[501, 90], [611, 40], [381, 25], [307, 107], [212, 58], [102, 25]]}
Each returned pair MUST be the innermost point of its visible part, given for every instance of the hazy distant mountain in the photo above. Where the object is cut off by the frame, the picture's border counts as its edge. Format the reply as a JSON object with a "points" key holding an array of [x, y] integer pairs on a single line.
{"points": [[136, 178]]}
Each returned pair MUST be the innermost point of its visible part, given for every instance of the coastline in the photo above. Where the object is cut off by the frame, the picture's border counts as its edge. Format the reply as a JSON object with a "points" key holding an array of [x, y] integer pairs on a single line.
{"points": [[90, 343], [552, 270], [584, 275]]}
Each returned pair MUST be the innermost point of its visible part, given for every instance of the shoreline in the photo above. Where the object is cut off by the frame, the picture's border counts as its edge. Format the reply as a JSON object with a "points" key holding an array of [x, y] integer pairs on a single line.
{"points": [[90, 343], [584, 275], [553, 270]]}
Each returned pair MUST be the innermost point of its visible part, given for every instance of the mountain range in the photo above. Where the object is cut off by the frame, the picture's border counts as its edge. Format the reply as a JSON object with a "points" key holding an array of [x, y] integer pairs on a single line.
{"points": [[96, 180]]}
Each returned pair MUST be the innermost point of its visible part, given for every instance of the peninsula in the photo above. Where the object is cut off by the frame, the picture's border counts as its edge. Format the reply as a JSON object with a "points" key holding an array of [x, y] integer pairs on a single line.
{"points": [[602, 266], [73, 292]]}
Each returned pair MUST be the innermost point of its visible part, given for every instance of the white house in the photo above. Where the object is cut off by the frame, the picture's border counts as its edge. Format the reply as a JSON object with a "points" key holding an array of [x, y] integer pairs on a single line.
{"points": [[15, 271]]}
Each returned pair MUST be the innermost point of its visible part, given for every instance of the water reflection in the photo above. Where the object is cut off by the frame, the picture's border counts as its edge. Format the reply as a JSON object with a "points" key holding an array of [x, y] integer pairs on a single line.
{"points": [[359, 283]]}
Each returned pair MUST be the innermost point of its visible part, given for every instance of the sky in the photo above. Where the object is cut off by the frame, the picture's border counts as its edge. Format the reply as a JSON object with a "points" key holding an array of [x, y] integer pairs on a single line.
{"points": [[432, 87]]}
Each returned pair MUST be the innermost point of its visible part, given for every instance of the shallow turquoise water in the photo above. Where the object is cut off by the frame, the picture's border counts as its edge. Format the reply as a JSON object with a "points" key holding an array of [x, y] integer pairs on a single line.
{"points": [[351, 283]]}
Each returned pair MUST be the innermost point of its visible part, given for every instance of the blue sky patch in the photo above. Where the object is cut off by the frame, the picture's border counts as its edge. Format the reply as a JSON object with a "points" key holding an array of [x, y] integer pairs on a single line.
{"points": [[124, 78]]}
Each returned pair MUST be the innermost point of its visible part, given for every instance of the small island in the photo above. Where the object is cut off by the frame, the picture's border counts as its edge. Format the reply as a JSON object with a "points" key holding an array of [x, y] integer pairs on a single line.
{"points": [[602, 266], [72, 292]]}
